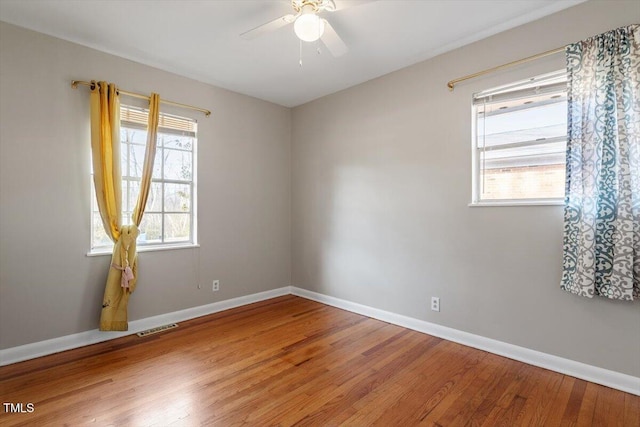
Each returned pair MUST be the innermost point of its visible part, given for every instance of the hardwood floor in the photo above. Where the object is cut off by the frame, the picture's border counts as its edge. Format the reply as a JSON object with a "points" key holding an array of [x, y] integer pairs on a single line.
{"points": [[291, 361]]}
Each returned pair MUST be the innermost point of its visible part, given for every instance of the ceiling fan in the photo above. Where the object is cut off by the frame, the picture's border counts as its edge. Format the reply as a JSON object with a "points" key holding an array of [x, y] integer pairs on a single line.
{"points": [[308, 25]]}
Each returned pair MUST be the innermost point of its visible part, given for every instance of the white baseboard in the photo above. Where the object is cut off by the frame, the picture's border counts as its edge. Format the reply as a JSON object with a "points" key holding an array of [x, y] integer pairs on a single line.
{"points": [[617, 380], [68, 342]]}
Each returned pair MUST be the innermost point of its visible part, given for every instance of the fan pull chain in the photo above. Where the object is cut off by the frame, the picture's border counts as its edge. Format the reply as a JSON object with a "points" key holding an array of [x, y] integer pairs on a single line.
{"points": [[300, 54]]}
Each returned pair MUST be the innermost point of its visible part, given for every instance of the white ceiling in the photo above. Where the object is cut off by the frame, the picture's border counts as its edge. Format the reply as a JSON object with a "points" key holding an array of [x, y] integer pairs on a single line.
{"points": [[200, 39]]}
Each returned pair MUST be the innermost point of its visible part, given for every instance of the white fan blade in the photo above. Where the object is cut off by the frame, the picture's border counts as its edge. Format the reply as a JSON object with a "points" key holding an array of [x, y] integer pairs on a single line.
{"points": [[346, 4], [268, 27], [332, 41]]}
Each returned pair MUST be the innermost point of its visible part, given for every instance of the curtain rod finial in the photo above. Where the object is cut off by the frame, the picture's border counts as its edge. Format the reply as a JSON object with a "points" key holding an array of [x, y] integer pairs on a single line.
{"points": [[450, 86]]}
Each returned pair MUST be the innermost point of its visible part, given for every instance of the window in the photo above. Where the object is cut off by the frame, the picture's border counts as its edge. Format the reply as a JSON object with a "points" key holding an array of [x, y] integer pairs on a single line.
{"points": [[519, 142], [169, 218]]}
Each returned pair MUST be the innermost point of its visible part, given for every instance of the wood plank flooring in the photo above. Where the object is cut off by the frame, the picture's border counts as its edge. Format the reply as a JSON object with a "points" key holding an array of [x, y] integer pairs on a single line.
{"points": [[290, 361]]}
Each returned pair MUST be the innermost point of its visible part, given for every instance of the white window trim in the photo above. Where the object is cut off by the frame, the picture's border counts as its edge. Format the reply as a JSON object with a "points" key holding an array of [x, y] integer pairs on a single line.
{"points": [[104, 250], [153, 247], [476, 201], [518, 202]]}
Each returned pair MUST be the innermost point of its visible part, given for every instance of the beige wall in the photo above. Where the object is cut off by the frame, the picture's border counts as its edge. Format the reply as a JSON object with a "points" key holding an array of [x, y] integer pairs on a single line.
{"points": [[48, 286], [381, 186]]}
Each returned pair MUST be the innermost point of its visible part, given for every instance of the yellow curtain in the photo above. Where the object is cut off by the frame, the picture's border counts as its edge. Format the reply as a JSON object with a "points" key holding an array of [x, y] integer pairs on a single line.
{"points": [[149, 156], [105, 150], [105, 147]]}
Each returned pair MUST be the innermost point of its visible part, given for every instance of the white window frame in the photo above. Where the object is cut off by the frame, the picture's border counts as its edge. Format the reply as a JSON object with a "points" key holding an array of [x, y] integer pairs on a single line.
{"points": [[551, 82], [126, 177]]}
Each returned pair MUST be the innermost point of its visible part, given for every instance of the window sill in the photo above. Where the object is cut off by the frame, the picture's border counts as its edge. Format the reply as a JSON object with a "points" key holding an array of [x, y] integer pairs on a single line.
{"points": [[497, 203], [140, 249]]}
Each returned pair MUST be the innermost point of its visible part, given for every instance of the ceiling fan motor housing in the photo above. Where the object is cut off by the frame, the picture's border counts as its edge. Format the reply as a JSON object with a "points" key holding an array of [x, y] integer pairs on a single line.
{"points": [[308, 26], [316, 5]]}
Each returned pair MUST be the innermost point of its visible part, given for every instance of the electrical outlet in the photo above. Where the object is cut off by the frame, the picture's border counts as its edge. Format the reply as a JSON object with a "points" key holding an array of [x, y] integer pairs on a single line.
{"points": [[435, 303], [216, 286]]}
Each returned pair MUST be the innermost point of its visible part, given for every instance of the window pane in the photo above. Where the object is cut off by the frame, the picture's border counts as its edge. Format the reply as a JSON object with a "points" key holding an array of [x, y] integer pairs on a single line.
{"points": [[133, 136], [177, 227], [528, 155], [136, 160], [150, 228], [157, 164], [177, 165], [126, 218], [94, 201], [529, 124], [124, 159], [100, 237], [154, 199], [521, 140], [177, 197], [529, 172], [523, 182], [175, 141]]}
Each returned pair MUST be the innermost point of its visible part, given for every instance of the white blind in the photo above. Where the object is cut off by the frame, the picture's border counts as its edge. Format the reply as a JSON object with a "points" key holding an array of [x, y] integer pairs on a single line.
{"points": [[138, 118], [524, 125], [532, 88]]}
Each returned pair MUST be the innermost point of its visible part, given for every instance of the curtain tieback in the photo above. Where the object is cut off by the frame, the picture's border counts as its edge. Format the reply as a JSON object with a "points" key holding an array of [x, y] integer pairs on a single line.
{"points": [[127, 275]]}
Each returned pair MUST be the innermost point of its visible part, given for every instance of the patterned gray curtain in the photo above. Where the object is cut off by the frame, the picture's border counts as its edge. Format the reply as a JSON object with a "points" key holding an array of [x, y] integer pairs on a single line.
{"points": [[602, 200]]}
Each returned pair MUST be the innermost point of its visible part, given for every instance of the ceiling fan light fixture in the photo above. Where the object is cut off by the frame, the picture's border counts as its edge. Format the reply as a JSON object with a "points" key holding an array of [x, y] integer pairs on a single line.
{"points": [[308, 27]]}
